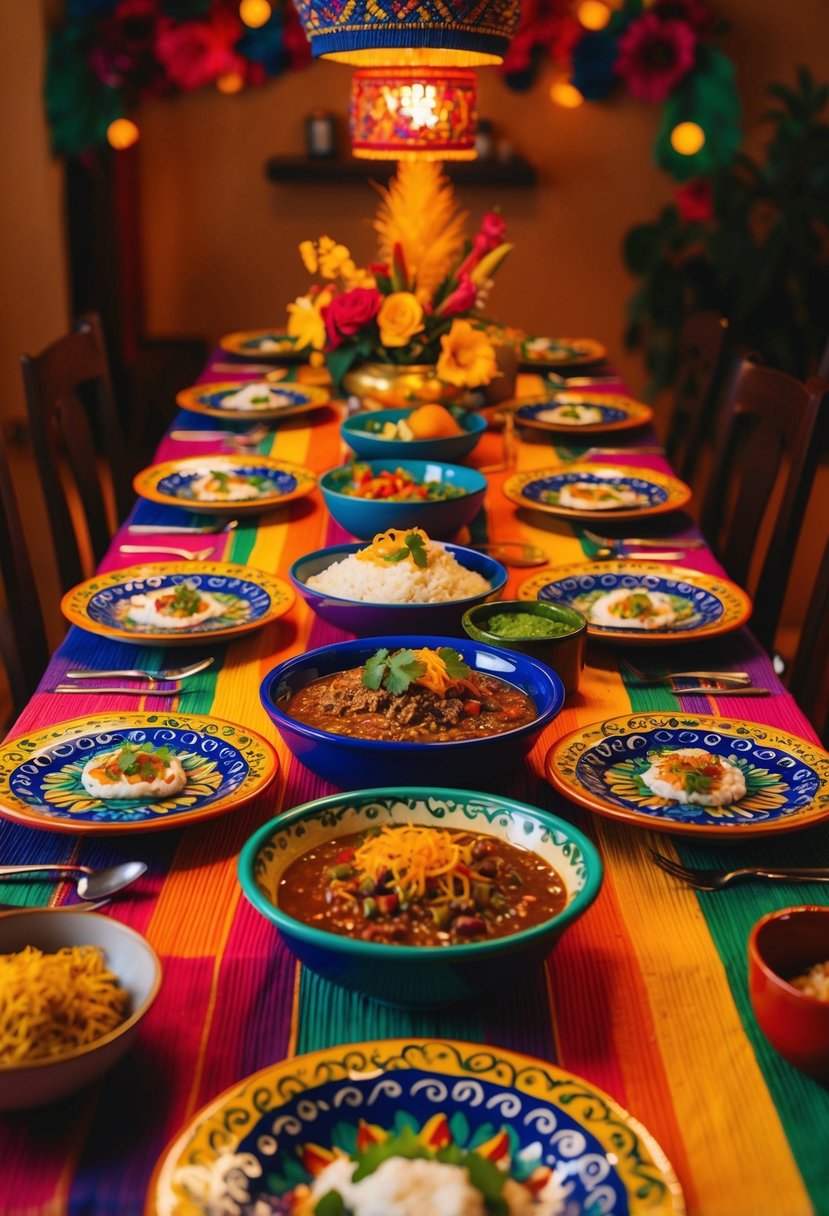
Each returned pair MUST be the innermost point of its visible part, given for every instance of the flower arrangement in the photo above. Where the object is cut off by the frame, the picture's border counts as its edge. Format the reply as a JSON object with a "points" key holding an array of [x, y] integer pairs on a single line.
{"points": [[417, 303]]}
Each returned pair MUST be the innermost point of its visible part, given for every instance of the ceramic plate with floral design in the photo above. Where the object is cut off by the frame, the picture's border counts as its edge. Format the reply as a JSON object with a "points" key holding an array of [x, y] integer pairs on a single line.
{"points": [[264, 344], [677, 605], [215, 485], [609, 768], [591, 491], [587, 413], [259, 402], [537, 352], [138, 603], [257, 1147], [42, 773]]}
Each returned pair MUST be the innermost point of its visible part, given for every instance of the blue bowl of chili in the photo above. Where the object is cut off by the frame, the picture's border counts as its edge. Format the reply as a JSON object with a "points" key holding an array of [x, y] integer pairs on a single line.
{"points": [[348, 761], [420, 976], [452, 497]]}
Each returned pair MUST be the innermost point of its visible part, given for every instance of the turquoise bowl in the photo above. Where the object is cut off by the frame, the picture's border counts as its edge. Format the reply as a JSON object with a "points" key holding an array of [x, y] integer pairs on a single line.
{"points": [[414, 977], [359, 432], [439, 518]]}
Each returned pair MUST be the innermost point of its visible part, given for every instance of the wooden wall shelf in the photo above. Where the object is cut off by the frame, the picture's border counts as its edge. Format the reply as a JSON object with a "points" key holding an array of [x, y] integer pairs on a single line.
{"points": [[516, 172]]}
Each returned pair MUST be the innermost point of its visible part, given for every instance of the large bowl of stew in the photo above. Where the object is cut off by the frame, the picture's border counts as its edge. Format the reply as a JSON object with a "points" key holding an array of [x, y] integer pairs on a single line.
{"points": [[367, 497], [320, 874], [339, 712]]}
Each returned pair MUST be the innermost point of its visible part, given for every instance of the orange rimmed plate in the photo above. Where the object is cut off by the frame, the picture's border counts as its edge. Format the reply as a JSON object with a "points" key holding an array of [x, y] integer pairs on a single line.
{"points": [[277, 482], [600, 767], [250, 599], [41, 772], [707, 605], [580, 413], [283, 400], [264, 344], [541, 490], [535, 352]]}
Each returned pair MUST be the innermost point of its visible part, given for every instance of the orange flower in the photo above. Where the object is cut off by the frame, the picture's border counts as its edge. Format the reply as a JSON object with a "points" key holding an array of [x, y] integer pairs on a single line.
{"points": [[467, 358], [400, 318]]}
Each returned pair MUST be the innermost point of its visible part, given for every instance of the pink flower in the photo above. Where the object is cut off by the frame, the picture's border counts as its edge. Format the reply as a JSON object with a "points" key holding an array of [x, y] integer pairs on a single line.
{"points": [[654, 55], [695, 13], [490, 236], [195, 53], [694, 201], [350, 312], [461, 300]]}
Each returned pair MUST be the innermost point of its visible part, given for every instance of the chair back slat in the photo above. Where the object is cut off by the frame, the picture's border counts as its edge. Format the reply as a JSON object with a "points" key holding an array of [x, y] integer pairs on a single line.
{"points": [[809, 678], [703, 355]]}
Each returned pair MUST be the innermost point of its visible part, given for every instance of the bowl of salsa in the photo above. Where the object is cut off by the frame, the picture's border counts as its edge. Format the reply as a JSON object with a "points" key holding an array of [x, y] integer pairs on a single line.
{"points": [[555, 634], [371, 496], [420, 897]]}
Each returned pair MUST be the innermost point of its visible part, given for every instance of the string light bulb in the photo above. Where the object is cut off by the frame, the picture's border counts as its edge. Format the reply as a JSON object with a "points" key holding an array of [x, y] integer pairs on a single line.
{"points": [[687, 138], [566, 95], [593, 14], [230, 82], [254, 13], [122, 133]]}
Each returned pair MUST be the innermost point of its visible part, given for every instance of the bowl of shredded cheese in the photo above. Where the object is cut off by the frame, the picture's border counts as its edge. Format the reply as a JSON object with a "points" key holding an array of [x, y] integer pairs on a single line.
{"points": [[73, 989]]}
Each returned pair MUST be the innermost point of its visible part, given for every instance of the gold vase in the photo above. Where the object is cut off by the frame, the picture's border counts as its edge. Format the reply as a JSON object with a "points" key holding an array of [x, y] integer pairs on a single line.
{"points": [[381, 386]]}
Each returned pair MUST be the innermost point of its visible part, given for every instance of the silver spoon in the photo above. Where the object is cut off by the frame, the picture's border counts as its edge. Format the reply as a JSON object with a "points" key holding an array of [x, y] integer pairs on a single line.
{"points": [[514, 552], [651, 555], [93, 884], [198, 555]]}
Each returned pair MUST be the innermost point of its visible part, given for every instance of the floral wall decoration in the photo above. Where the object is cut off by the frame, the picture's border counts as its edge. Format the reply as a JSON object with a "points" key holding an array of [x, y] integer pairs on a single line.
{"points": [[111, 54], [662, 53]]}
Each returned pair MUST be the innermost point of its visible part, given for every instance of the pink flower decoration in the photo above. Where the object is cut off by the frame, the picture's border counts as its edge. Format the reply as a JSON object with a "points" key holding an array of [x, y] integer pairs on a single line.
{"points": [[695, 13], [694, 201], [124, 44], [195, 53], [461, 300], [654, 55], [350, 312], [490, 236]]}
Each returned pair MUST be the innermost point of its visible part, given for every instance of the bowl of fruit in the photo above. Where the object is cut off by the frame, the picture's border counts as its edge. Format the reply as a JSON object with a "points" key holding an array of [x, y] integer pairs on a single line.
{"points": [[428, 432]]}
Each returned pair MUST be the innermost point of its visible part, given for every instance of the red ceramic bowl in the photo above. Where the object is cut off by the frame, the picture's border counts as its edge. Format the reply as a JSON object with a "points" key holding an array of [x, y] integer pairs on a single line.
{"points": [[783, 945]]}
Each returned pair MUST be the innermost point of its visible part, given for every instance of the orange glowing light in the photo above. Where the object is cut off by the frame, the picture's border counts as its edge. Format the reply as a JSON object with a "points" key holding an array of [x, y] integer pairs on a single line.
{"points": [[230, 82], [254, 13], [122, 133], [565, 94], [687, 138], [593, 14]]}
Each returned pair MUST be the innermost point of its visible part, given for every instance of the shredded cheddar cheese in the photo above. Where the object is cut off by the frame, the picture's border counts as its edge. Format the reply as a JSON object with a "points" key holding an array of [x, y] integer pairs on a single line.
{"points": [[385, 544], [52, 1003], [419, 859], [434, 677]]}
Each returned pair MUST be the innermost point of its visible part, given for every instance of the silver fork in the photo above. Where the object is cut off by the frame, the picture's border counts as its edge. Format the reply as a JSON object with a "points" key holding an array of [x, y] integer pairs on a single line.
{"points": [[248, 438], [82, 690], [140, 673], [181, 529], [649, 450], [726, 677], [715, 880], [198, 556], [647, 542]]}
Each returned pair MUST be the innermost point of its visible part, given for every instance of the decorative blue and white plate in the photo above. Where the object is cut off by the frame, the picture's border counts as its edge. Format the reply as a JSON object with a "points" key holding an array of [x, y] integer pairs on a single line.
{"points": [[640, 491], [587, 413], [272, 1133], [272, 482], [267, 344], [601, 766], [277, 400], [40, 773], [248, 598], [704, 606]]}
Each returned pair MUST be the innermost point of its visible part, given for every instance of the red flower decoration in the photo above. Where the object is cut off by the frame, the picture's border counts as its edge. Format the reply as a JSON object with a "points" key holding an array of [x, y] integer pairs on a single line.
{"points": [[549, 24], [694, 201], [461, 300], [654, 55], [350, 312], [695, 13], [195, 53], [123, 49]]}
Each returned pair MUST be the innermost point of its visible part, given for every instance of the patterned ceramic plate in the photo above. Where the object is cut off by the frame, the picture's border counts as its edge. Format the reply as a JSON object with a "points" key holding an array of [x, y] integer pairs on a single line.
{"points": [[247, 598], [560, 352], [601, 767], [566, 490], [264, 344], [175, 483], [588, 413], [702, 605], [40, 773], [270, 1133], [278, 401]]}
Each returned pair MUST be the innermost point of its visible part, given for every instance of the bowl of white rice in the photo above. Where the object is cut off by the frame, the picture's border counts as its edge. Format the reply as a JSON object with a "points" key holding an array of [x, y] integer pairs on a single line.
{"points": [[377, 598]]}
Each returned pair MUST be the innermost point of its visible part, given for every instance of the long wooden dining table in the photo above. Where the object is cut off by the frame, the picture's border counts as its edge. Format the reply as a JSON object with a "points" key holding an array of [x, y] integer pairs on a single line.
{"points": [[645, 996]]}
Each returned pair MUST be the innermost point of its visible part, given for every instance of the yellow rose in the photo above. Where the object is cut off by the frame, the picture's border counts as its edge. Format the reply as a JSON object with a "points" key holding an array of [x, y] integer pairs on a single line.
{"points": [[467, 358], [333, 259], [308, 253], [400, 318], [305, 320]]}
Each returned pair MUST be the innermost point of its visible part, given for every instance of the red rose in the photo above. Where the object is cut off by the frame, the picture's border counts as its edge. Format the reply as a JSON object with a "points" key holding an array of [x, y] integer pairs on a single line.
{"points": [[195, 53], [350, 312], [694, 201], [493, 231]]}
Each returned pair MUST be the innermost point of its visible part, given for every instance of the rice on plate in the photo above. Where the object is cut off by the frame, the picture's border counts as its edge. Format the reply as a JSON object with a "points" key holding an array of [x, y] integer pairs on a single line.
{"points": [[400, 567]]}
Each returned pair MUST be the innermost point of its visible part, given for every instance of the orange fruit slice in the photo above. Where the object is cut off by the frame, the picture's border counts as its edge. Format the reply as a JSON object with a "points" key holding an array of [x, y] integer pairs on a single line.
{"points": [[432, 422]]}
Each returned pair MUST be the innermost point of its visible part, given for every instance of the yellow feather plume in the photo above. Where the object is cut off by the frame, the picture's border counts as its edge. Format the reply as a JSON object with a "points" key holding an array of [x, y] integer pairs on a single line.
{"points": [[420, 213]]}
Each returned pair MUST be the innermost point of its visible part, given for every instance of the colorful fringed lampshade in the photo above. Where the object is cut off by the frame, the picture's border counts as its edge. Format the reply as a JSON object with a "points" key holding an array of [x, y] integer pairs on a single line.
{"points": [[383, 33], [413, 113]]}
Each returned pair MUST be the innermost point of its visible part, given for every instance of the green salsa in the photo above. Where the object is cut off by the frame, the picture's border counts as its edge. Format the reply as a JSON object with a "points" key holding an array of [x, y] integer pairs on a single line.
{"points": [[526, 625]]}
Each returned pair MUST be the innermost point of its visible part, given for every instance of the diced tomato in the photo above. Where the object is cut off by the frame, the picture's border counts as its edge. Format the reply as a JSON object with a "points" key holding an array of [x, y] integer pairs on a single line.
{"points": [[386, 904], [463, 869], [344, 856], [472, 708]]}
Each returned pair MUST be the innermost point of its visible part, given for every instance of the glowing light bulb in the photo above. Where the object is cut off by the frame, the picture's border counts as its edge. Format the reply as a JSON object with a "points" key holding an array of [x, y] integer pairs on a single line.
{"points": [[230, 82], [254, 13], [565, 94], [687, 138], [593, 14], [122, 133]]}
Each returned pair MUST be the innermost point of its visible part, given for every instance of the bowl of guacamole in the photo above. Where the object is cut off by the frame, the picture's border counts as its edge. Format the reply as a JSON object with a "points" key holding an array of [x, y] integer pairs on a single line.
{"points": [[554, 633]]}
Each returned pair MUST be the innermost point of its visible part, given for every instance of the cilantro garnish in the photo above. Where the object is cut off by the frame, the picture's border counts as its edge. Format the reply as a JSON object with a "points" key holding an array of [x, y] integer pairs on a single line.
{"points": [[186, 599], [221, 477], [133, 760], [413, 546], [456, 669], [394, 672]]}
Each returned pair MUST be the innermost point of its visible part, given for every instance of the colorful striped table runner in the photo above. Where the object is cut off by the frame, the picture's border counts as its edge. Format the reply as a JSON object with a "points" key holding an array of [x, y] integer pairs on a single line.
{"points": [[645, 996]]}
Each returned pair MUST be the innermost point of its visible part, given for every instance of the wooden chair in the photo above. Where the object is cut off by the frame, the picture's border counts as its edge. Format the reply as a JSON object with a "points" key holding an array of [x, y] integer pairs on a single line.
{"points": [[809, 678], [703, 358], [23, 646], [769, 417], [74, 422]]}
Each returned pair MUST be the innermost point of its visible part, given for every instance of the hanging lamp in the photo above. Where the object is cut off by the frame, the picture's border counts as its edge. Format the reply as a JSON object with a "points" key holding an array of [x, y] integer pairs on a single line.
{"points": [[407, 113]]}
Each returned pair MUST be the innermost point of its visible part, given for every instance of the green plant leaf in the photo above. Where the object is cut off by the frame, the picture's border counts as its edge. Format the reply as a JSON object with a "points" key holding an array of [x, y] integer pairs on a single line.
{"points": [[403, 670], [374, 669]]}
